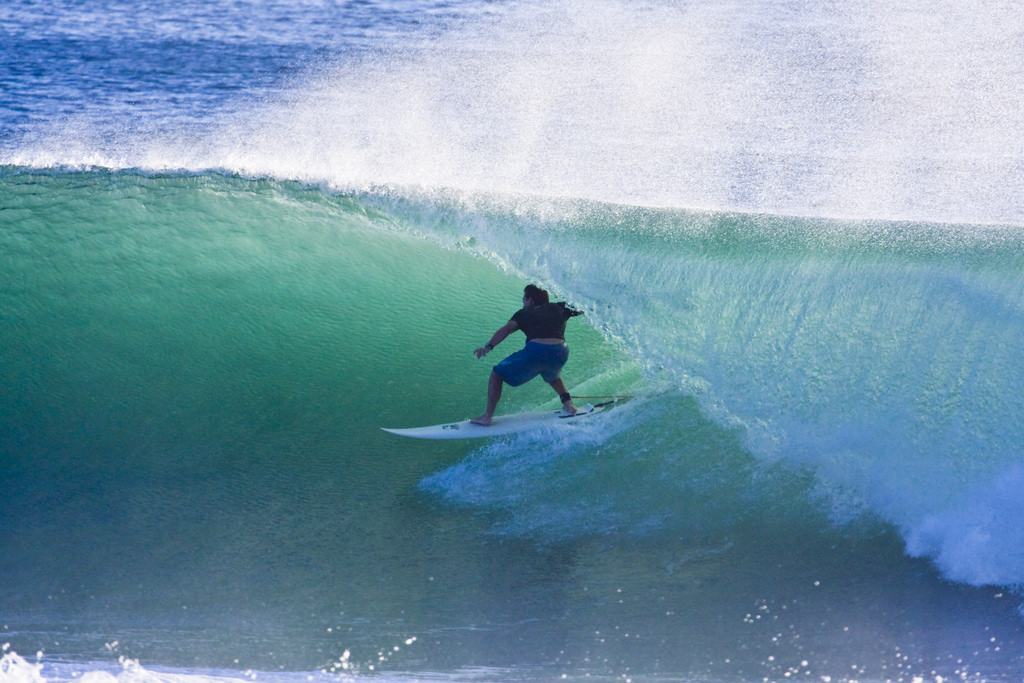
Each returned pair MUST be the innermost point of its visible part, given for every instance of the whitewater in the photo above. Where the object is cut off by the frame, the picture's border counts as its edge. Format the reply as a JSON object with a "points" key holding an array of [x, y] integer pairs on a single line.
{"points": [[237, 240]]}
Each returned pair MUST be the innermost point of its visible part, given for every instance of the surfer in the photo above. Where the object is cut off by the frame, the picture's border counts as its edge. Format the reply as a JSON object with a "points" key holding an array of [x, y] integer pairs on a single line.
{"points": [[545, 352]]}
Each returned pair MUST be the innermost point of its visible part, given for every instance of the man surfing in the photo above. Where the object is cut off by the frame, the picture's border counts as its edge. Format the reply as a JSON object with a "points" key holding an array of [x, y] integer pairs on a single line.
{"points": [[545, 352]]}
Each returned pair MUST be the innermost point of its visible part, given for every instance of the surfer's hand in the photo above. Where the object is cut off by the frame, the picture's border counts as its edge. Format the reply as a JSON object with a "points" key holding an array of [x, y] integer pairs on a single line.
{"points": [[481, 352]]}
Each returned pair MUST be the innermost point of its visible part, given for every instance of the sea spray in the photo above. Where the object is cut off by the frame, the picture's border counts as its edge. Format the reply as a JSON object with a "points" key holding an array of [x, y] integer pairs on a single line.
{"points": [[783, 108]]}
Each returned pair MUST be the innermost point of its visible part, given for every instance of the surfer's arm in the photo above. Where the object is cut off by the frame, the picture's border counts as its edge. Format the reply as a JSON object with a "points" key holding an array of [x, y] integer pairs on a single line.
{"points": [[498, 337]]}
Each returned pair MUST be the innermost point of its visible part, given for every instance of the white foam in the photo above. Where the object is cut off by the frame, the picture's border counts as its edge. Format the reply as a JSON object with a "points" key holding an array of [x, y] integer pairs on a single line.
{"points": [[979, 538]]}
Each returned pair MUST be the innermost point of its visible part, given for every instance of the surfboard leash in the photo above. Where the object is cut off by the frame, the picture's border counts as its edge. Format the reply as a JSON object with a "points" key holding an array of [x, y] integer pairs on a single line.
{"points": [[614, 399]]}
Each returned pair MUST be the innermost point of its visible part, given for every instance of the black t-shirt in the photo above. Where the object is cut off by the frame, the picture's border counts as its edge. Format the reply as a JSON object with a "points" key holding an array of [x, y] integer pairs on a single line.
{"points": [[546, 321]]}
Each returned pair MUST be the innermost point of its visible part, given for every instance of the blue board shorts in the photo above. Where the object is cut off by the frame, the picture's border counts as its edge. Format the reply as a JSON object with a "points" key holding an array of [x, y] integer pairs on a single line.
{"points": [[533, 359]]}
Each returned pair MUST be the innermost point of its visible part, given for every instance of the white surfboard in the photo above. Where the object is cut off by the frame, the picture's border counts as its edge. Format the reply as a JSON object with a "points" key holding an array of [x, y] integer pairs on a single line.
{"points": [[502, 424]]}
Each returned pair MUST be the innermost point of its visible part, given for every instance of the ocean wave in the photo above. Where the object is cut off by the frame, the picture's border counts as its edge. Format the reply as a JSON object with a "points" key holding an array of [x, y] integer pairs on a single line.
{"points": [[880, 358]]}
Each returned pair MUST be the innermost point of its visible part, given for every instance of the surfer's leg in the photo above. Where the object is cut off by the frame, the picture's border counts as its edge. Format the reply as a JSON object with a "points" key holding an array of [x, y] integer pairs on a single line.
{"points": [[559, 386], [493, 394]]}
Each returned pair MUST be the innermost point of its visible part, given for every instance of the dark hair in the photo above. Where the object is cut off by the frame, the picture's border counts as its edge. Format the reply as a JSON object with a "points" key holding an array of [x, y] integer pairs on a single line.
{"points": [[537, 295]]}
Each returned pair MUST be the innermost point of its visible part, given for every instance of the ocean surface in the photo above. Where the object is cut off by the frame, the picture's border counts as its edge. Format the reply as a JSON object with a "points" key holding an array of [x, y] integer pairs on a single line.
{"points": [[237, 238]]}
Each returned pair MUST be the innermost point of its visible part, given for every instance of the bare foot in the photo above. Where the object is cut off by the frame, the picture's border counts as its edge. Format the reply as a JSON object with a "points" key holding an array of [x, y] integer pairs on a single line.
{"points": [[568, 408], [483, 420]]}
